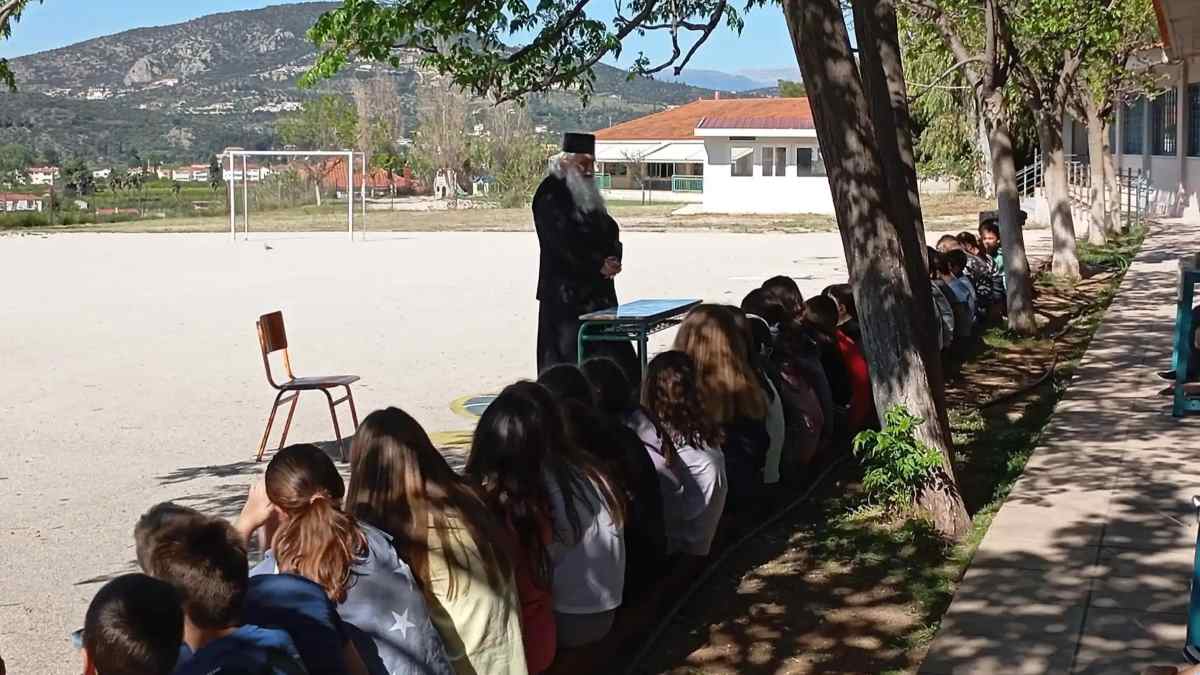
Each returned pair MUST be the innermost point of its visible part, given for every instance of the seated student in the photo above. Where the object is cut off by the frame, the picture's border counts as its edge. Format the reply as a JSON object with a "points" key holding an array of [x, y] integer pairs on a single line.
{"points": [[320, 553], [989, 241], [459, 552], [531, 476], [759, 346], [204, 560], [806, 387], [689, 442], [821, 313], [733, 397], [843, 295], [978, 270], [134, 624], [785, 291], [943, 307], [964, 292], [768, 307], [625, 459], [615, 399]]}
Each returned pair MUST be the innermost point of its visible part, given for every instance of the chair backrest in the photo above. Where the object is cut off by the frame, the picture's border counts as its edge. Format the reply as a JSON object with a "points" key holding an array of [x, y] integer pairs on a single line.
{"points": [[273, 338]]}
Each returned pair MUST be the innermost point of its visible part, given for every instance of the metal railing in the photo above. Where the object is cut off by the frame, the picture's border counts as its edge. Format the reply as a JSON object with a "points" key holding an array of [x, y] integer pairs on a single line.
{"points": [[603, 181], [1030, 178], [1133, 196], [683, 183]]}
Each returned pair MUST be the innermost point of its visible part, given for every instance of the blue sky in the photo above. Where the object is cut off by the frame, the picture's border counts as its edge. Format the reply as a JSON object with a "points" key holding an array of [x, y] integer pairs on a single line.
{"points": [[763, 45]]}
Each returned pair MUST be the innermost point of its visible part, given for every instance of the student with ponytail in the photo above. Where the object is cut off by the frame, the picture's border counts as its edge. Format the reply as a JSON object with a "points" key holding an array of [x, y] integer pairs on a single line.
{"points": [[459, 553], [315, 544]]}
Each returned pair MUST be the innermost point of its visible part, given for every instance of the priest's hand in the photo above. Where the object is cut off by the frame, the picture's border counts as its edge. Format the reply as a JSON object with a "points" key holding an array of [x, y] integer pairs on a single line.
{"points": [[611, 268]]}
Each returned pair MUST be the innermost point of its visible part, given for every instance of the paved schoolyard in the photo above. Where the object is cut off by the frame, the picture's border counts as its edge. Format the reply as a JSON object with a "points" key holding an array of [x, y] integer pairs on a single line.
{"points": [[1086, 567], [131, 372]]}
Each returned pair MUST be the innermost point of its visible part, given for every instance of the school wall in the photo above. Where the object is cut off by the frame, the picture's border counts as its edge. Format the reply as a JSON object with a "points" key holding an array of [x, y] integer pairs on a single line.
{"points": [[726, 193]]}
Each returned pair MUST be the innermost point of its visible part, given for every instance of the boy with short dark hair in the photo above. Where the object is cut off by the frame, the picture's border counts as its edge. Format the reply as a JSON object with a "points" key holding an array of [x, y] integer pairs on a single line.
{"points": [[204, 559], [837, 348], [133, 626], [989, 239]]}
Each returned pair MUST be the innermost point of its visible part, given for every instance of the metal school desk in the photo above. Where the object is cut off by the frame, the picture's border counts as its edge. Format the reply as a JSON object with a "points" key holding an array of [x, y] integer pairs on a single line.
{"points": [[632, 322]]}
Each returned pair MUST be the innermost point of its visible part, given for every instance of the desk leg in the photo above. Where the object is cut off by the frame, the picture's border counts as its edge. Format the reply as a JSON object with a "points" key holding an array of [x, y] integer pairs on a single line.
{"points": [[643, 348]]}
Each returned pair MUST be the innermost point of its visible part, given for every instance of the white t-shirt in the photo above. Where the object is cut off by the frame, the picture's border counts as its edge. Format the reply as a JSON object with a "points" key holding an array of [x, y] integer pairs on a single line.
{"points": [[589, 574], [776, 430], [693, 510]]}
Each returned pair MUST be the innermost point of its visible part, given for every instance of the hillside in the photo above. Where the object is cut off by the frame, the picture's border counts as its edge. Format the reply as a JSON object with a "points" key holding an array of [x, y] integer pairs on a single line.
{"points": [[185, 90]]}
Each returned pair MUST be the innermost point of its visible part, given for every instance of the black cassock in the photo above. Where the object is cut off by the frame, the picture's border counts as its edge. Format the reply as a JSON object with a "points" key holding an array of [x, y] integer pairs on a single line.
{"points": [[573, 248]]}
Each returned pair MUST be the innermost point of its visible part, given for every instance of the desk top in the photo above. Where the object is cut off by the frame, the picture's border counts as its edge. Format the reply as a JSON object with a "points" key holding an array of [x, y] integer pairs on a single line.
{"points": [[642, 310]]}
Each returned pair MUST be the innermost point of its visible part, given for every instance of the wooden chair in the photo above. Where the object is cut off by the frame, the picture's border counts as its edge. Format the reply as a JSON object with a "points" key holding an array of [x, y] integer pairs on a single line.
{"points": [[272, 338]]}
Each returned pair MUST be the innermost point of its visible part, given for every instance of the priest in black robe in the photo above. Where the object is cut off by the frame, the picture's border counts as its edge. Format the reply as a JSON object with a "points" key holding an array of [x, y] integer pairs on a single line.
{"points": [[580, 256]]}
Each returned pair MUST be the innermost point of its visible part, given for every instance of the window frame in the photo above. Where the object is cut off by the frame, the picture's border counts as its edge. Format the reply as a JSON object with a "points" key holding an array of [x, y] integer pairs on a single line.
{"points": [[1193, 119], [1133, 143], [770, 156], [733, 163], [1164, 124]]}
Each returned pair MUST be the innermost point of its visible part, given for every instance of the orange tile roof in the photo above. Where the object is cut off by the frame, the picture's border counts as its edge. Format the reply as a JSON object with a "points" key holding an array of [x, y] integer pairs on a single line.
{"points": [[680, 122]]}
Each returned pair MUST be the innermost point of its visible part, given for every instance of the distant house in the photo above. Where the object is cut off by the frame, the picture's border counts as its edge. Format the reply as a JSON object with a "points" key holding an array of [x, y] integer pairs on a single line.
{"points": [[11, 202], [756, 155], [42, 175], [181, 174], [254, 172], [482, 185], [101, 173]]}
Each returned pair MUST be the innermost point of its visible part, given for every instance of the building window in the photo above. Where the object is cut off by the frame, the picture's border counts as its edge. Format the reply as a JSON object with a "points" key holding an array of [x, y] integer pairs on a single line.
{"points": [[1133, 124], [1164, 130], [1193, 106], [742, 159], [1112, 133], [809, 162], [660, 170], [774, 161]]}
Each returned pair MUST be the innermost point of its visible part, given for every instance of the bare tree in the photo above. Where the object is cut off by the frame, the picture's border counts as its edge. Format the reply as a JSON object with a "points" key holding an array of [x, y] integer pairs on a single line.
{"points": [[441, 139]]}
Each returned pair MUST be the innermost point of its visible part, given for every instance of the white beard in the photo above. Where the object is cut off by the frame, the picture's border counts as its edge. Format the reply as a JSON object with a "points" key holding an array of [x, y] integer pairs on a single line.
{"points": [[583, 190]]}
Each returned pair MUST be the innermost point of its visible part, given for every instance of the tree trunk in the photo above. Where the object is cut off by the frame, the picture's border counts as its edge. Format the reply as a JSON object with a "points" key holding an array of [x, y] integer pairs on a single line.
{"points": [[882, 70], [1112, 216], [1018, 285], [874, 253], [1097, 207], [1062, 225], [985, 178]]}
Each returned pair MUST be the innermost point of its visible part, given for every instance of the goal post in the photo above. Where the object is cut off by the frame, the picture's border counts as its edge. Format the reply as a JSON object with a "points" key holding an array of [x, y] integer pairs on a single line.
{"points": [[230, 157]]}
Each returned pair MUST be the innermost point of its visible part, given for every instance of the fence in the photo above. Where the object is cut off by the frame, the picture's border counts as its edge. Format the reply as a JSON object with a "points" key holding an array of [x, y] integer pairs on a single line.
{"points": [[681, 183], [1133, 187], [603, 181]]}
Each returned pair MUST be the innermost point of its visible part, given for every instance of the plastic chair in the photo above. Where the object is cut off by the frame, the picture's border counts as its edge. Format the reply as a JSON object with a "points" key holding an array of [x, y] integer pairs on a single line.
{"points": [[272, 338]]}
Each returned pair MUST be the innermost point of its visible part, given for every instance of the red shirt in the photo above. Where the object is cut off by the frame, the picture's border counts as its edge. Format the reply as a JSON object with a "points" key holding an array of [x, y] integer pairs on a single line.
{"points": [[862, 403], [537, 609]]}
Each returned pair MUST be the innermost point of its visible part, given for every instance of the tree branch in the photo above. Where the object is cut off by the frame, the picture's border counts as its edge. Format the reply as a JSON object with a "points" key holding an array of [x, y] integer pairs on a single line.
{"points": [[713, 21], [551, 33]]}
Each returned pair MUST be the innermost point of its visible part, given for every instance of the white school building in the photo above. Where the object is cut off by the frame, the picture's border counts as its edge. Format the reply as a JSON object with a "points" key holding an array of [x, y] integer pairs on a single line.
{"points": [[1160, 134], [752, 155]]}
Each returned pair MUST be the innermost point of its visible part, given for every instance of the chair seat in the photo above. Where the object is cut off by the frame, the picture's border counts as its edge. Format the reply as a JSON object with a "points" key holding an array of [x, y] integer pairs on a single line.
{"points": [[323, 382]]}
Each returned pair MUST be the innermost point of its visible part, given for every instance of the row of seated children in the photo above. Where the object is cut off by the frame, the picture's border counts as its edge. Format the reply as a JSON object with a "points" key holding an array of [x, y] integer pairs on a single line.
{"points": [[579, 493], [968, 283]]}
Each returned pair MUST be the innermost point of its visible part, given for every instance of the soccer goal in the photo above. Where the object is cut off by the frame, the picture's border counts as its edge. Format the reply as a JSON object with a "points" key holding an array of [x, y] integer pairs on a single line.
{"points": [[320, 170]]}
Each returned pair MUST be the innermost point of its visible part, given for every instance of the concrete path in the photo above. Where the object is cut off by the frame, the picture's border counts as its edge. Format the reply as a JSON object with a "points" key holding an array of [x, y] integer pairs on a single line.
{"points": [[1086, 568]]}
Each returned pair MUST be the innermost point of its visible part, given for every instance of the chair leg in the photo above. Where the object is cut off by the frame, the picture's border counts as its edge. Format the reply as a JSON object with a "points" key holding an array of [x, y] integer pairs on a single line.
{"points": [[353, 411], [288, 424], [337, 432], [262, 447]]}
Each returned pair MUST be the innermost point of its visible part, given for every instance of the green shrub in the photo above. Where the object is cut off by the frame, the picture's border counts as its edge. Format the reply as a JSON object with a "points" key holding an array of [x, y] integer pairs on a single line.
{"points": [[896, 464]]}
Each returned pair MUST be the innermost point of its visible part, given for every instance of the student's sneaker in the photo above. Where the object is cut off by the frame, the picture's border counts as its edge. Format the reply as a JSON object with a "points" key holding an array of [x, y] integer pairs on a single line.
{"points": [[1168, 375]]}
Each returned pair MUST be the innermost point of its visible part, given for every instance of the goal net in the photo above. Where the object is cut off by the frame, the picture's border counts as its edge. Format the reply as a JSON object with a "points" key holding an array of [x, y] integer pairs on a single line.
{"points": [[290, 190]]}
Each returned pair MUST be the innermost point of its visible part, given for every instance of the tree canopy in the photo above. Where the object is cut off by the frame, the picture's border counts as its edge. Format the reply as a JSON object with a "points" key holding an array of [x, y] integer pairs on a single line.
{"points": [[327, 122], [504, 49], [10, 13]]}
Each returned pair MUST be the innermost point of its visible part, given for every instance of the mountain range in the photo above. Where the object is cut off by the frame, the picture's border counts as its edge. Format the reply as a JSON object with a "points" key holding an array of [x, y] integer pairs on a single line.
{"points": [[183, 91], [751, 80]]}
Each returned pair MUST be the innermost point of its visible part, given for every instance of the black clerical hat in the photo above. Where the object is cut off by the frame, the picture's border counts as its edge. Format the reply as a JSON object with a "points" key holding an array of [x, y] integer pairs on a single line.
{"points": [[583, 144]]}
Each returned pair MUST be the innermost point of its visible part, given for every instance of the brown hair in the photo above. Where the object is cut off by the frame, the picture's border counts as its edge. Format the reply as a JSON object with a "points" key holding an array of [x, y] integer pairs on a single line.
{"points": [[156, 524], [317, 540], [728, 386], [205, 561], [401, 484], [670, 395]]}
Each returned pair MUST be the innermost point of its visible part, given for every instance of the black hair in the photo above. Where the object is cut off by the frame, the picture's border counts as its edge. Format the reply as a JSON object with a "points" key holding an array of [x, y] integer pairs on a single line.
{"points": [[614, 393], [134, 626], [821, 311], [990, 226], [568, 383], [767, 305], [521, 443], [947, 238], [843, 294], [786, 292], [956, 259], [938, 266]]}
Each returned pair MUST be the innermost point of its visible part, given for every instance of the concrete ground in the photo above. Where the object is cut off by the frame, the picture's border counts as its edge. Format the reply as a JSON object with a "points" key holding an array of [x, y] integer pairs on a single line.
{"points": [[1086, 567], [131, 370]]}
